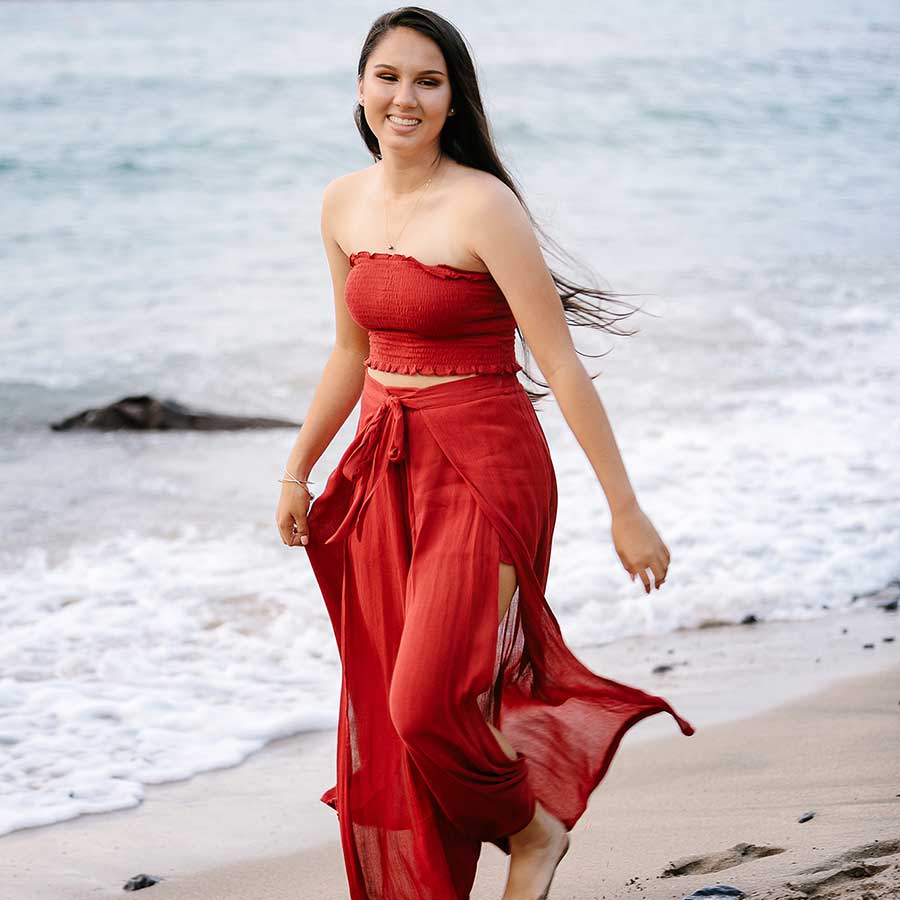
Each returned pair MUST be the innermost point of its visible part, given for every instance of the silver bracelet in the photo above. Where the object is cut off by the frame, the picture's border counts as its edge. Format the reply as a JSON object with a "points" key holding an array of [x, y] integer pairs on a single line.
{"points": [[294, 478], [299, 481]]}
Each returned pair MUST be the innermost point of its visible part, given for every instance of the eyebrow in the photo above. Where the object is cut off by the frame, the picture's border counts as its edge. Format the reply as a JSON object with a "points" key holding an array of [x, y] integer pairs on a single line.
{"points": [[423, 72]]}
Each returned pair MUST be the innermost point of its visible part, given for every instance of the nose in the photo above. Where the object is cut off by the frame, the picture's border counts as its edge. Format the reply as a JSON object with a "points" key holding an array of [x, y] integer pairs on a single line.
{"points": [[404, 96]]}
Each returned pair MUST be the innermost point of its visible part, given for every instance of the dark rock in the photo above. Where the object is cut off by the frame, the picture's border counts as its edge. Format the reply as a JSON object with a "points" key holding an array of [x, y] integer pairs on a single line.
{"points": [[886, 597], [749, 619], [143, 412], [666, 667], [716, 890], [806, 817], [140, 881]]}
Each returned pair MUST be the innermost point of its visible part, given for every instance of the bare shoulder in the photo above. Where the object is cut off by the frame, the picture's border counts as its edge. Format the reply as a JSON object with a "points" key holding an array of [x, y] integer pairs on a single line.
{"points": [[341, 205], [338, 191], [484, 205], [477, 189], [336, 199], [479, 201]]}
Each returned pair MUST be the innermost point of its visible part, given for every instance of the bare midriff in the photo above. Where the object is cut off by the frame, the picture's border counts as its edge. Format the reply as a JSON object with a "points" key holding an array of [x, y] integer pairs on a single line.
{"points": [[400, 379]]}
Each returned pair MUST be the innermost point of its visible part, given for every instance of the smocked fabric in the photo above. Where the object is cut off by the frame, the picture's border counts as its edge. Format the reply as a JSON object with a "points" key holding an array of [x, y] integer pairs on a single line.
{"points": [[430, 319]]}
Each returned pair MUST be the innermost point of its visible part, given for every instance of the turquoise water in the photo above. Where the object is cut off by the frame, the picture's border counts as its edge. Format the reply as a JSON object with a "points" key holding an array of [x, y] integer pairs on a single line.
{"points": [[161, 169]]}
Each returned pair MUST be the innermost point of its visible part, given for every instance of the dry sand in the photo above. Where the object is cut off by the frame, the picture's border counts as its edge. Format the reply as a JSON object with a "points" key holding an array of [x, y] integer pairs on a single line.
{"points": [[791, 718]]}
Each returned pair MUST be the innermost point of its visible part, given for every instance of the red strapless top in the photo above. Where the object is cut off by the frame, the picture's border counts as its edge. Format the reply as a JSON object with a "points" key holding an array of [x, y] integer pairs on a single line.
{"points": [[430, 320]]}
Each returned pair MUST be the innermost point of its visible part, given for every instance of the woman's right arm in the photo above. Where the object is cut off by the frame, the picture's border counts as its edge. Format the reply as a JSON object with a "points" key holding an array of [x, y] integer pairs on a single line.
{"points": [[340, 384]]}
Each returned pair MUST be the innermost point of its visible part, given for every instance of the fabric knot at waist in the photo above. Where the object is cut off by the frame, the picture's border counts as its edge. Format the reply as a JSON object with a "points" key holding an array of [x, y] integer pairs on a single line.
{"points": [[385, 429], [380, 441], [381, 438]]}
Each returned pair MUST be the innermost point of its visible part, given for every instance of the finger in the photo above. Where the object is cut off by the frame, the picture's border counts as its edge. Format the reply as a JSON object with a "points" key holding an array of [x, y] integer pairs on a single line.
{"points": [[300, 535], [284, 529], [645, 579], [292, 532], [659, 574]]}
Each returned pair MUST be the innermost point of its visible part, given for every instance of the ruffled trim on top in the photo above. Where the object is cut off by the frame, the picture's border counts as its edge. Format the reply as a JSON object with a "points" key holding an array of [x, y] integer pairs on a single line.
{"points": [[440, 270], [461, 368]]}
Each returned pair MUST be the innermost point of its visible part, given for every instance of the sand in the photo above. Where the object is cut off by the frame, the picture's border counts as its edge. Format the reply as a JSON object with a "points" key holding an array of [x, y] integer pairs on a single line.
{"points": [[792, 718]]}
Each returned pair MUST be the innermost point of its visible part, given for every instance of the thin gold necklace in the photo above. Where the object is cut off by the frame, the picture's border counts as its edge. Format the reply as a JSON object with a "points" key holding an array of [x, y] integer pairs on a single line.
{"points": [[391, 246]]}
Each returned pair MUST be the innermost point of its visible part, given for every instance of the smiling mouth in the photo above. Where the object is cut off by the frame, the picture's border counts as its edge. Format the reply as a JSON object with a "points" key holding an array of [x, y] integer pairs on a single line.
{"points": [[403, 121]]}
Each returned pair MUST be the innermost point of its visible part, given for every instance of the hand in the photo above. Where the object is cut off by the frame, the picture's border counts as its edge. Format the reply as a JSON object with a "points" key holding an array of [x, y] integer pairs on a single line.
{"points": [[639, 546], [291, 514]]}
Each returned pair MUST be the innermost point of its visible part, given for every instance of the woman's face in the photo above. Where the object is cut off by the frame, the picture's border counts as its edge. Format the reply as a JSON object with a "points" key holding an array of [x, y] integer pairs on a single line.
{"points": [[406, 77]]}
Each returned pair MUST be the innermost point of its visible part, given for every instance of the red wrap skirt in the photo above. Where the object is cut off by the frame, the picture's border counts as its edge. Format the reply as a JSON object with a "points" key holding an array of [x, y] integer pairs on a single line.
{"points": [[438, 487]]}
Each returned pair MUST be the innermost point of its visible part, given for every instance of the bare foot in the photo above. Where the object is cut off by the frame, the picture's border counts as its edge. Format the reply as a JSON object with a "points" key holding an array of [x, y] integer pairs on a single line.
{"points": [[535, 852]]}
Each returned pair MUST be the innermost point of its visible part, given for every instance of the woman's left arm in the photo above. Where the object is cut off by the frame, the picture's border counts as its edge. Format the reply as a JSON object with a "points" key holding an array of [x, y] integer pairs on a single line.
{"points": [[501, 235]]}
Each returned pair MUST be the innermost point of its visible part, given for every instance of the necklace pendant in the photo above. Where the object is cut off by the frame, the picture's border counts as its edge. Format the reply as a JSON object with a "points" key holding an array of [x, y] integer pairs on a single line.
{"points": [[390, 246]]}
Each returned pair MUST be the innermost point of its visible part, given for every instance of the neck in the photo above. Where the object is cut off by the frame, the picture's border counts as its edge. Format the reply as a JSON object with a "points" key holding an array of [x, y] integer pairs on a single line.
{"points": [[404, 177]]}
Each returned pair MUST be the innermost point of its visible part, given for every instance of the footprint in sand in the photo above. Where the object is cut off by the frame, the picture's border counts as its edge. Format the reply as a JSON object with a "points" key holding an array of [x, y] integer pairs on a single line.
{"points": [[849, 868], [715, 862]]}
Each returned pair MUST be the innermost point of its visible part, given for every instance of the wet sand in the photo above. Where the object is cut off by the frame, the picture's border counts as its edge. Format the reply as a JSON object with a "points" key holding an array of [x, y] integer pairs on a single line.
{"points": [[792, 718]]}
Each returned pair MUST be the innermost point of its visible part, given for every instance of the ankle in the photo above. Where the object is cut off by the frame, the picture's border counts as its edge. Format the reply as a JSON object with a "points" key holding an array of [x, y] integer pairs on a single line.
{"points": [[536, 833]]}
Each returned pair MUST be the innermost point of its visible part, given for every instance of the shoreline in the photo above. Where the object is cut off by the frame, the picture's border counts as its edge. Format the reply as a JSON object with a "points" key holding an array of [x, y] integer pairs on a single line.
{"points": [[759, 696]]}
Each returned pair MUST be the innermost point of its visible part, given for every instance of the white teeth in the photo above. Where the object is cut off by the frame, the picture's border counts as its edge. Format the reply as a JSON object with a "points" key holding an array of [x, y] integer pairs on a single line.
{"points": [[403, 121]]}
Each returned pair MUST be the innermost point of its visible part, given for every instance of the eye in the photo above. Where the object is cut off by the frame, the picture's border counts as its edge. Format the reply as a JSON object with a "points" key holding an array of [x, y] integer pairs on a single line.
{"points": [[429, 81]]}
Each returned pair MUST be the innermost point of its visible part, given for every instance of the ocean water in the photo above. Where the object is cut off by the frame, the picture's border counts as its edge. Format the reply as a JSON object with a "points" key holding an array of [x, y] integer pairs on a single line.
{"points": [[161, 169]]}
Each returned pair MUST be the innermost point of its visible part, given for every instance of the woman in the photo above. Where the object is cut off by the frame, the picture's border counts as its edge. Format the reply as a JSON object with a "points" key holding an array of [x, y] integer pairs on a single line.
{"points": [[455, 727]]}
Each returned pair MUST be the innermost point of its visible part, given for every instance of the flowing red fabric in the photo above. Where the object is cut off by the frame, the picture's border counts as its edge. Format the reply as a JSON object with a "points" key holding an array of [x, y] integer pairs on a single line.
{"points": [[439, 485]]}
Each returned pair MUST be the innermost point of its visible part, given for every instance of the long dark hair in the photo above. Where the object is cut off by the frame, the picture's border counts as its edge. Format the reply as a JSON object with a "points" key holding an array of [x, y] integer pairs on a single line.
{"points": [[466, 138]]}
